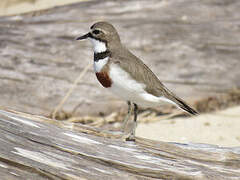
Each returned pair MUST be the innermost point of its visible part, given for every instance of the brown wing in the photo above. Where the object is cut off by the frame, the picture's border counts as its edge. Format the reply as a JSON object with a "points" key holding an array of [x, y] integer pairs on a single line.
{"points": [[139, 71]]}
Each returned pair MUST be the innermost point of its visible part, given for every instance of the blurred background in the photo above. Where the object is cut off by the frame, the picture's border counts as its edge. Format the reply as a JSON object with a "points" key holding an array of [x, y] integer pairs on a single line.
{"points": [[192, 46], [13, 7]]}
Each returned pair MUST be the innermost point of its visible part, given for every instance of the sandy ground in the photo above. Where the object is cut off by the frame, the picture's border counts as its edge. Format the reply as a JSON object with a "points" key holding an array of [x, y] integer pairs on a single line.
{"points": [[221, 128], [11, 7]]}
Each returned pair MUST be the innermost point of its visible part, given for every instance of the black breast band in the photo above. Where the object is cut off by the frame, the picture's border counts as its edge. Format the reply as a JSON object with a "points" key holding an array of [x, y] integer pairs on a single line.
{"points": [[102, 55]]}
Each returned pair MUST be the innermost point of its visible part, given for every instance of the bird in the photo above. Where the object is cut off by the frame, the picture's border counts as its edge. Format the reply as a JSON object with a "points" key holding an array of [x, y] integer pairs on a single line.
{"points": [[124, 74]]}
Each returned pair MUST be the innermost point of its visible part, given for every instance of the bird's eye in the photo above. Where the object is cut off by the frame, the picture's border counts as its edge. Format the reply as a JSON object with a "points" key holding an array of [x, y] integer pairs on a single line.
{"points": [[96, 32]]}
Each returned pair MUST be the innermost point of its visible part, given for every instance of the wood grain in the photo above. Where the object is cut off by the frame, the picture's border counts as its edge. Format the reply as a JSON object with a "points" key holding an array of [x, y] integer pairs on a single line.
{"points": [[192, 46], [34, 147]]}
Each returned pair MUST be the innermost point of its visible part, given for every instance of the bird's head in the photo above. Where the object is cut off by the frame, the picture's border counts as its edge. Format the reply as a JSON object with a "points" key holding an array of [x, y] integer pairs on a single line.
{"points": [[102, 35]]}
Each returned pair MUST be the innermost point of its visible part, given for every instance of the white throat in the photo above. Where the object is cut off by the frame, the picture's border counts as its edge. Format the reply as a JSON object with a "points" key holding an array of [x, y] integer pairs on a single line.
{"points": [[98, 46]]}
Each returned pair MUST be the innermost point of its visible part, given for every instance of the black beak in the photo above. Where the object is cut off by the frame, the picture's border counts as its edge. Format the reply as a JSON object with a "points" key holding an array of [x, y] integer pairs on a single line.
{"points": [[83, 37]]}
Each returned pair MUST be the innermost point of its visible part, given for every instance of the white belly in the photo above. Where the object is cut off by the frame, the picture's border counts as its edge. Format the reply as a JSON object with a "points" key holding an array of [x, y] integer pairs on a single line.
{"points": [[131, 90]]}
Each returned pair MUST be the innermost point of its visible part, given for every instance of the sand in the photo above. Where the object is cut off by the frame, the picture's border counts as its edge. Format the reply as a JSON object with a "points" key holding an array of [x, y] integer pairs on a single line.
{"points": [[12, 7], [221, 128]]}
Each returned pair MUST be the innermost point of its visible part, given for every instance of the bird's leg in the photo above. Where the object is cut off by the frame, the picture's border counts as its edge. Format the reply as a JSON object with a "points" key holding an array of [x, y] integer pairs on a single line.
{"points": [[128, 115], [132, 135]]}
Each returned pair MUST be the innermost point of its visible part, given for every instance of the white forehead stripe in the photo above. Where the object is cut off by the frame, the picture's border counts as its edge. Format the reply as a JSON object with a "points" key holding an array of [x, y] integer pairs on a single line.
{"points": [[98, 46], [98, 65]]}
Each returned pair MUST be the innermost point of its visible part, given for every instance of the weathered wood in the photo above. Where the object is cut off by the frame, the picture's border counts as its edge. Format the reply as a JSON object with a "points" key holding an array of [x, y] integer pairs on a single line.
{"points": [[31, 147], [193, 46]]}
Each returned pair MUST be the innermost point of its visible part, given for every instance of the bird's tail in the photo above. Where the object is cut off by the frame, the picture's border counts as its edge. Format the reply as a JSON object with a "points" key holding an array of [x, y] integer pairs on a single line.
{"points": [[185, 107]]}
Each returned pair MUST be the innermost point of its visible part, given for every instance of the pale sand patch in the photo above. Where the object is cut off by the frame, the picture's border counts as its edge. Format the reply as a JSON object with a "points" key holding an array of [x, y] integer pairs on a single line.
{"points": [[220, 128], [12, 7]]}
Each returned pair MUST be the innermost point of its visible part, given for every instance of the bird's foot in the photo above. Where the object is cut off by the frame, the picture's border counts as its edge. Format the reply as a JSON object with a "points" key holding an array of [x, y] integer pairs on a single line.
{"points": [[131, 138]]}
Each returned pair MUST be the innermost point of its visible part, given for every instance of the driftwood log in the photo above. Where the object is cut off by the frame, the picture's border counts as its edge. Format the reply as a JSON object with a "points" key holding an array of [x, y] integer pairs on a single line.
{"points": [[192, 46], [33, 147]]}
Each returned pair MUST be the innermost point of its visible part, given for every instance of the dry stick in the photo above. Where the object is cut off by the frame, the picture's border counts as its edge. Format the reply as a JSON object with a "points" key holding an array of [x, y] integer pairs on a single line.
{"points": [[59, 106]]}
